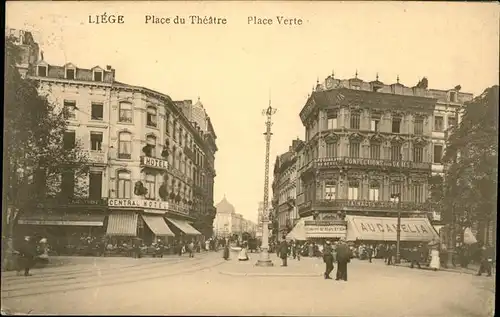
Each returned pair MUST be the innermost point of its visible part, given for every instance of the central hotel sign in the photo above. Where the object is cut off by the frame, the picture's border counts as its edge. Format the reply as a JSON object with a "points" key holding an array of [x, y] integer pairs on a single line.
{"points": [[139, 203]]}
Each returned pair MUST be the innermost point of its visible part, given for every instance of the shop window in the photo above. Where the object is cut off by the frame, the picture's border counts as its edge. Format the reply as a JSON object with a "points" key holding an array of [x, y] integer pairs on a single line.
{"points": [[354, 149], [352, 191], [96, 141], [125, 145], [330, 191], [125, 114], [97, 111], [95, 185], [124, 185], [151, 117]]}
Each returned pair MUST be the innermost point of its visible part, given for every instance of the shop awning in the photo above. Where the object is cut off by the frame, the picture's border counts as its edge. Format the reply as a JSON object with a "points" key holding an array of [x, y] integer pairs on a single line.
{"points": [[385, 228], [184, 227], [62, 220], [298, 232], [122, 224], [158, 225]]}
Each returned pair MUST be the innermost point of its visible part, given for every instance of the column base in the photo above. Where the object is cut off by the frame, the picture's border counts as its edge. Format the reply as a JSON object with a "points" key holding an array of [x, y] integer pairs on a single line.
{"points": [[264, 263]]}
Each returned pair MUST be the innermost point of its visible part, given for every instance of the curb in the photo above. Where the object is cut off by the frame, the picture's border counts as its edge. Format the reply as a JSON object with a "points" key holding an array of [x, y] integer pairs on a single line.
{"points": [[465, 271], [270, 274]]}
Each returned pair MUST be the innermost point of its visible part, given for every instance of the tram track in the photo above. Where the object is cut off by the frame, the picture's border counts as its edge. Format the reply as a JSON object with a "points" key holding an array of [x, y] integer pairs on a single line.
{"points": [[122, 277]]}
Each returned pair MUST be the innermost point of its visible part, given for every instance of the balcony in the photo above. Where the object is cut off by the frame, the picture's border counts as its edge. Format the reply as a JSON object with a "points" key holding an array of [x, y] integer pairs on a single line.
{"points": [[334, 162], [98, 157], [368, 205]]}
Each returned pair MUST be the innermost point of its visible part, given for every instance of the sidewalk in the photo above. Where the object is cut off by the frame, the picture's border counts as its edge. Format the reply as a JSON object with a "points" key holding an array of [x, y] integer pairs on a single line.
{"points": [[306, 267], [471, 269]]}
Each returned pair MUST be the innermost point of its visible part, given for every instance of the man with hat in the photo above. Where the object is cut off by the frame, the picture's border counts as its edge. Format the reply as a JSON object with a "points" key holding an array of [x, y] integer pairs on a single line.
{"points": [[328, 259], [343, 257]]}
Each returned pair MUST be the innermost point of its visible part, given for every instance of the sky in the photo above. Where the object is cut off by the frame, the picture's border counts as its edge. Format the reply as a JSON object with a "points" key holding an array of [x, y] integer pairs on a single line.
{"points": [[236, 68]]}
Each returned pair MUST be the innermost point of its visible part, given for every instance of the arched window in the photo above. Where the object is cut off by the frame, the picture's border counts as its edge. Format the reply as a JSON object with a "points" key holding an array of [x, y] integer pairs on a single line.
{"points": [[151, 146], [124, 186], [374, 191], [150, 186], [125, 112], [125, 145], [151, 117]]}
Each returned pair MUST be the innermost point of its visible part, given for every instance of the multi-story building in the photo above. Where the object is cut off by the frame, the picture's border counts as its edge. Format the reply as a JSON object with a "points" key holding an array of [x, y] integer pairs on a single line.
{"points": [[151, 159], [369, 152], [285, 189], [228, 223]]}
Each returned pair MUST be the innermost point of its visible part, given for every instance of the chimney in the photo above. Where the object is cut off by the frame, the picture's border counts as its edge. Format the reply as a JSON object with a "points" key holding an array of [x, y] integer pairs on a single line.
{"points": [[108, 67]]}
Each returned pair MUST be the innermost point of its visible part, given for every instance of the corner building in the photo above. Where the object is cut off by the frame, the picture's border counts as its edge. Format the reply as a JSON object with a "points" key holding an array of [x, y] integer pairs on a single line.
{"points": [[367, 144]]}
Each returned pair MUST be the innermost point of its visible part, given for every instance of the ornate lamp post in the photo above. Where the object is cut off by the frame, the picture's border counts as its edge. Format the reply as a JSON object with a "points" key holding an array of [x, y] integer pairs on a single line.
{"points": [[398, 228], [264, 254]]}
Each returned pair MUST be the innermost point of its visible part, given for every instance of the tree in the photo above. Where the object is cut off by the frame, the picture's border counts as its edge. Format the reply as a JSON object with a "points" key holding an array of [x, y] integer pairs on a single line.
{"points": [[35, 155], [471, 156]]}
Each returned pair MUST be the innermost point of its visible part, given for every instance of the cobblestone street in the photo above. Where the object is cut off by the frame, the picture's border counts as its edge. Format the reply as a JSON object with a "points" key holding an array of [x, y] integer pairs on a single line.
{"points": [[208, 285]]}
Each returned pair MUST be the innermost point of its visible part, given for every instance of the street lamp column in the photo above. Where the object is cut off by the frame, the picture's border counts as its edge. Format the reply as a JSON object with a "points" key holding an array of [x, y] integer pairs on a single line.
{"points": [[398, 228], [264, 254]]}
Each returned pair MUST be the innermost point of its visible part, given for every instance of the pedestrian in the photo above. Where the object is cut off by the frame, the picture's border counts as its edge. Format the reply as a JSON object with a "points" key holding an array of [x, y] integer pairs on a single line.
{"points": [[225, 253], [390, 254], [415, 257], [343, 257], [443, 256], [486, 261], [243, 255], [328, 259], [191, 249], [369, 252], [27, 253], [299, 250], [435, 262], [283, 251], [294, 249], [207, 245]]}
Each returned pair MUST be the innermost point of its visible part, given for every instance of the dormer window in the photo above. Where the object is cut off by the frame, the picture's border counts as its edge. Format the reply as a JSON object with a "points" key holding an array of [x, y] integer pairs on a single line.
{"points": [[42, 71], [70, 73], [453, 96], [98, 75]]}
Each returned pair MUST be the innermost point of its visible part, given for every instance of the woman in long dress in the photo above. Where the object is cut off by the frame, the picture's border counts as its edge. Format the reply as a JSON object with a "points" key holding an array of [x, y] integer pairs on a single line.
{"points": [[435, 262], [243, 255], [225, 254]]}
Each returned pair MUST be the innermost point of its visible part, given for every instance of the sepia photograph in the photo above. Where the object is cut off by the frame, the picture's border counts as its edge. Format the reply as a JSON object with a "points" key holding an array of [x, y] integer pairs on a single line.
{"points": [[250, 158]]}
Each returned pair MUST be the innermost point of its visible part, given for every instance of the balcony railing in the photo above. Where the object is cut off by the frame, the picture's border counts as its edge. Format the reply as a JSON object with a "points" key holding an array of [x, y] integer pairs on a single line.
{"points": [[329, 162], [381, 205]]}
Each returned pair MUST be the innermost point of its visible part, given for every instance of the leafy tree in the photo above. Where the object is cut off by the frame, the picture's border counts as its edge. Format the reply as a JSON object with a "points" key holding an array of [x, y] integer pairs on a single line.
{"points": [[203, 221], [471, 156], [35, 156]]}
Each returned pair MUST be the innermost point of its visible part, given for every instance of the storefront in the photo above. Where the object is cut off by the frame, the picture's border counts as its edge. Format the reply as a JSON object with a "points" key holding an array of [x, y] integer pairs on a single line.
{"points": [[384, 229], [183, 229]]}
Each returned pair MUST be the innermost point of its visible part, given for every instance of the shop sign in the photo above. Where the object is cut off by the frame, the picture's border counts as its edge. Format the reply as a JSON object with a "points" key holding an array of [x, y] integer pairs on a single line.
{"points": [[325, 222], [59, 223], [87, 201], [321, 231], [139, 203], [371, 228], [154, 162], [370, 162]]}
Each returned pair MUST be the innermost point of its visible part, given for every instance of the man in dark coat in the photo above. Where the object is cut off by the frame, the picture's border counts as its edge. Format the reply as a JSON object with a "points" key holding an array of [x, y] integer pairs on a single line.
{"points": [[486, 256], [328, 259], [27, 254], [369, 251], [343, 257], [283, 251]]}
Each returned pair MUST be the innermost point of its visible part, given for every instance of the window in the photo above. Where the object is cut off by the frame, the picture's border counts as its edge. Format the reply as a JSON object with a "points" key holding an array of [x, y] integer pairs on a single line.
{"points": [[70, 108], [330, 190], [352, 192], [373, 193], [354, 149], [151, 146], [438, 153], [418, 154], [98, 75], [70, 73], [396, 125], [150, 186], [395, 190], [124, 185], [151, 117], [95, 185], [68, 184], [396, 152], [125, 145], [69, 140], [332, 121], [331, 149], [452, 121], [355, 119], [167, 123], [174, 131], [42, 71], [96, 141], [97, 111], [453, 96], [125, 110], [418, 127], [438, 124], [418, 193], [375, 151], [375, 125]]}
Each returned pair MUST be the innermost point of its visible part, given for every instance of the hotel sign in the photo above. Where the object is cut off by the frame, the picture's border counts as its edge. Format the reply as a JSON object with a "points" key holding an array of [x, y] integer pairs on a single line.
{"points": [[139, 203], [154, 163], [342, 161]]}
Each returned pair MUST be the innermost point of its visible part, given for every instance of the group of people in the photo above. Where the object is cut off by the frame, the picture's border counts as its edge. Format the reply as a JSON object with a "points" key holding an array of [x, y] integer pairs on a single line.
{"points": [[339, 252]]}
